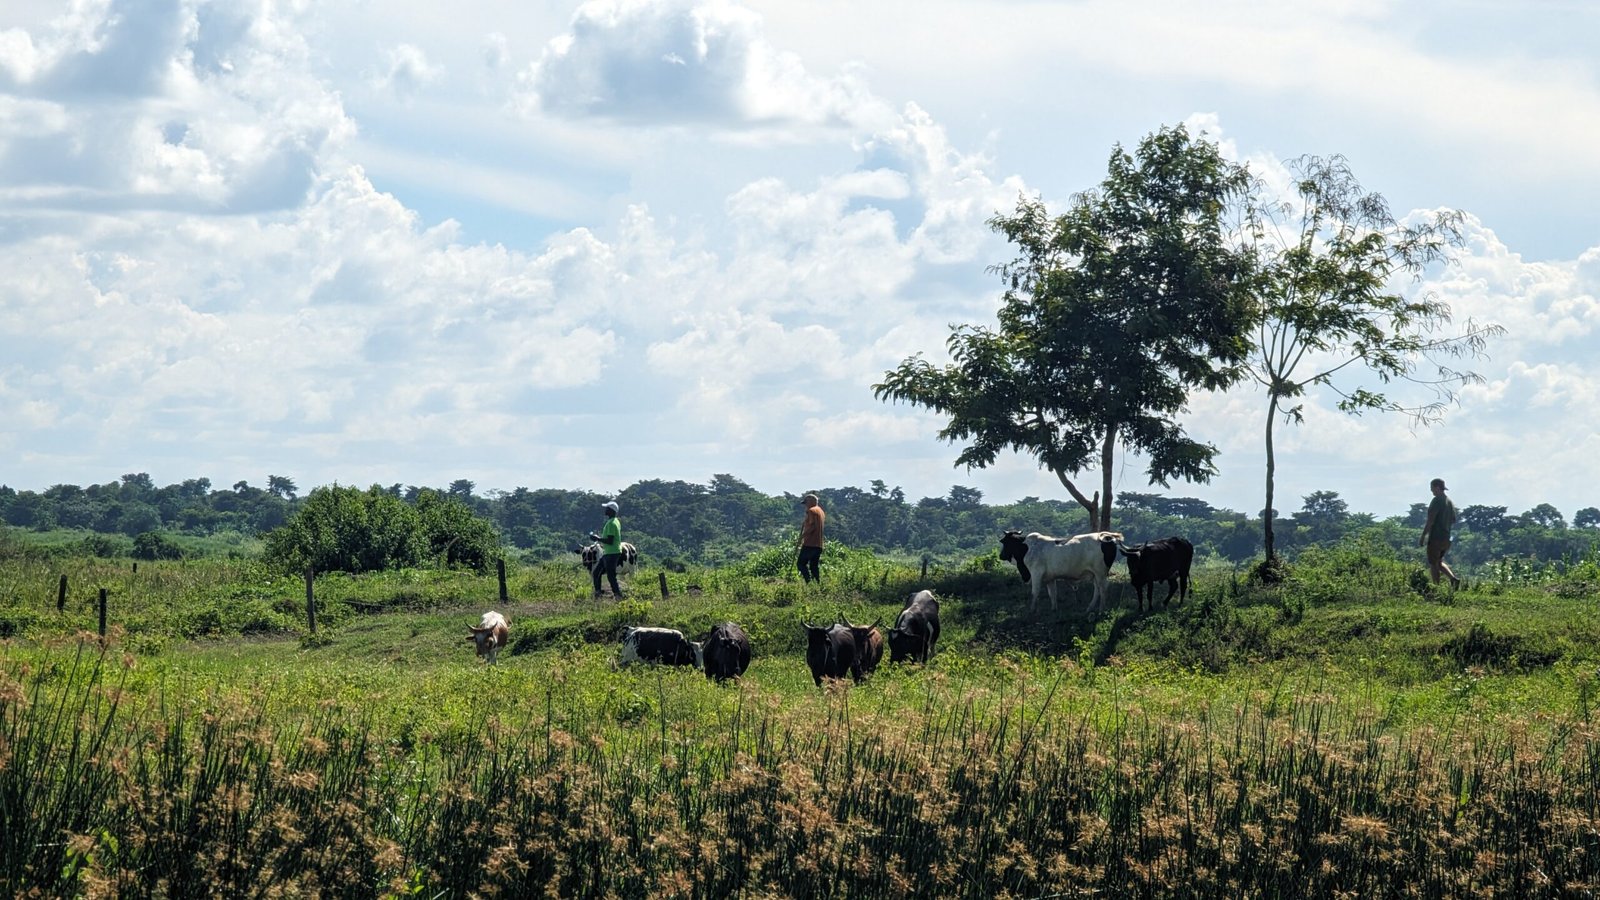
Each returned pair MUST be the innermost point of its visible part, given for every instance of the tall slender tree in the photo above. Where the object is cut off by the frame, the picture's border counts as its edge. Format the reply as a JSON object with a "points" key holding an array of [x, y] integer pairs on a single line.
{"points": [[1329, 258], [1113, 311]]}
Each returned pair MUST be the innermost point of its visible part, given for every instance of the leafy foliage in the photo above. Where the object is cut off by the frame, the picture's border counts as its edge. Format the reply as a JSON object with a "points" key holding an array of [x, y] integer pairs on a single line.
{"points": [[345, 529], [456, 537], [1113, 312], [1327, 258]]}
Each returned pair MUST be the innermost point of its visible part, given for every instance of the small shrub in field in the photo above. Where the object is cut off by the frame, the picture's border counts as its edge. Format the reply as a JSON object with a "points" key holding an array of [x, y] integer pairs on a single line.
{"points": [[628, 612], [153, 545], [104, 546]]}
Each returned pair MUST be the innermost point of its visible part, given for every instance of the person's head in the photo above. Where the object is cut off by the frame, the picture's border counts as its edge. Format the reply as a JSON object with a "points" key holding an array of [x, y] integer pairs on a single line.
{"points": [[1437, 486], [809, 500], [610, 507]]}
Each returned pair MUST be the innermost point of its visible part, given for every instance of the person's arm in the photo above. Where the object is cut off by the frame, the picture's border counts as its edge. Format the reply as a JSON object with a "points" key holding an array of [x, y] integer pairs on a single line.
{"points": [[1427, 527]]}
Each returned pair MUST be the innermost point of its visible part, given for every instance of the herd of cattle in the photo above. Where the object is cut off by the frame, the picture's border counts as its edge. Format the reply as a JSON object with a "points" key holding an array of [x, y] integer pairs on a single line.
{"points": [[841, 649]]}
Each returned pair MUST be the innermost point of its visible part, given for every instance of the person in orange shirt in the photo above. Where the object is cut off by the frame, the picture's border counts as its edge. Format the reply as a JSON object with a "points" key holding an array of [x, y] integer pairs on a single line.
{"points": [[810, 540]]}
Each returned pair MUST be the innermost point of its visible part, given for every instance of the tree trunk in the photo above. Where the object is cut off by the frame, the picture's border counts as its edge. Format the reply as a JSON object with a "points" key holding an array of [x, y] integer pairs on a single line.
{"points": [[1092, 505], [1107, 456], [1266, 513]]}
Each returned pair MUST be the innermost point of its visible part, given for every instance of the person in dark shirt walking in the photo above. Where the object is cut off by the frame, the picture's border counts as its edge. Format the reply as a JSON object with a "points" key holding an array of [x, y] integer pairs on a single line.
{"points": [[1436, 533]]}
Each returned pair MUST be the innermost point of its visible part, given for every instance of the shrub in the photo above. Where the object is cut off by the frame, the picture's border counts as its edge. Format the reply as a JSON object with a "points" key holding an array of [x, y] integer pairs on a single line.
{"points": [[455, 536], [345, 529], [153, 545], [103, 546]]}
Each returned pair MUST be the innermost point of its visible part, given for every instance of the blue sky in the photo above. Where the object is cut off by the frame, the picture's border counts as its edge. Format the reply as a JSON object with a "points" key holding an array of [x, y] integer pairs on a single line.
{"points": [[562, 245]]}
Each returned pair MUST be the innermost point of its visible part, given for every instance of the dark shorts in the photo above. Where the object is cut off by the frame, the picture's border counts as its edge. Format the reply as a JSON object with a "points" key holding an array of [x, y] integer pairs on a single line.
{"points": [[1437, 550]]}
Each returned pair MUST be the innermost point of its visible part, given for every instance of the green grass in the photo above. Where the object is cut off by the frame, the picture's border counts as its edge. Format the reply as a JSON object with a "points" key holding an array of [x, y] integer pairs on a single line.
{"points": [[1347, 731]]}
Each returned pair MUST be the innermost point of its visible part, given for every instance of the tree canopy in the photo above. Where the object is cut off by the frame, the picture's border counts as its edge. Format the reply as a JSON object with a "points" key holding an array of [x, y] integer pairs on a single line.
{"points": [[1113, 311], [1327, 258]]}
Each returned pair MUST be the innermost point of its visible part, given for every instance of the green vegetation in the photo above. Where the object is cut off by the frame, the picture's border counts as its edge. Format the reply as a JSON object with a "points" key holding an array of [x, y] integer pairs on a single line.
{"points": [[344, 529], [1114, 311], [1350, 729]]}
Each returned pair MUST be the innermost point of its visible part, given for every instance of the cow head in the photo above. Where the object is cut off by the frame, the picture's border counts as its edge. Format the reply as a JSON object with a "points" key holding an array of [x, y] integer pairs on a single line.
{"points": [[1012, 549], [1108, 548], [903, 645]]}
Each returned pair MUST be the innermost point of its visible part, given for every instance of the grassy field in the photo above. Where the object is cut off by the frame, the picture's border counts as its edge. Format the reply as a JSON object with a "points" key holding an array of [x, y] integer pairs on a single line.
{"points": [[1351, 732]]}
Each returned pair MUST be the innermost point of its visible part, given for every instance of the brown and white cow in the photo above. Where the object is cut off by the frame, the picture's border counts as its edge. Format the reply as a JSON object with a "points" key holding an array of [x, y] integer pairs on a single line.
{"points": [[490, 634]]}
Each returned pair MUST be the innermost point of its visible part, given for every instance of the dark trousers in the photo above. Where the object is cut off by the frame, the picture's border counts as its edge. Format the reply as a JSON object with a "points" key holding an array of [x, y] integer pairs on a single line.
{"points": [[607, 564], [807, 563]]}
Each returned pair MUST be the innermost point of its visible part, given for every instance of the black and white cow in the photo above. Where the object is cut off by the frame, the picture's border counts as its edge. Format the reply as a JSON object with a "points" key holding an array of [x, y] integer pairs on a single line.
{"points": [[725, 652], [915, 629], [831, 652], [666, 646], [590, 554], [1043, 560], [1167, 559]]}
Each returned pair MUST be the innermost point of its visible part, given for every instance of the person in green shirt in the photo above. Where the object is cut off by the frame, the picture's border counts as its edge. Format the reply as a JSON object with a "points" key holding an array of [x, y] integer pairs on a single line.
{"points": [[1436, 532], [610, 541]]}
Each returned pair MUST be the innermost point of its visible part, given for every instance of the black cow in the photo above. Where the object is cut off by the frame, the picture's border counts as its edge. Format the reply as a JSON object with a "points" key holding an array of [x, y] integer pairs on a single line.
{"points": [[1167, 559], [869, 645], [666, 646], [831, 652], [915, 629], [725, 652]]}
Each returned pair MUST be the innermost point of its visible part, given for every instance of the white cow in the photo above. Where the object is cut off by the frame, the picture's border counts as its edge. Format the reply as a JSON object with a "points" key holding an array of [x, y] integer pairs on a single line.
{"points": [[1043, 560], [490, 634]]}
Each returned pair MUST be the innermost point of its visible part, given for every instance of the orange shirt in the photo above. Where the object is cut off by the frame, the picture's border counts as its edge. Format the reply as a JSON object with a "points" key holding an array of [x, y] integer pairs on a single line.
{"points": [[811, 528]]}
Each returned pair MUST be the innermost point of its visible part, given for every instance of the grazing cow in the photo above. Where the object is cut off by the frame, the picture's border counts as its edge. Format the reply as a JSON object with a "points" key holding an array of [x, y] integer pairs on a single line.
{"points": [[725, 652], [490, 634], [831, 652], [1043, 560], [666, 646], [1167, 559], [590, 554], [869, 645], [915, 629]]}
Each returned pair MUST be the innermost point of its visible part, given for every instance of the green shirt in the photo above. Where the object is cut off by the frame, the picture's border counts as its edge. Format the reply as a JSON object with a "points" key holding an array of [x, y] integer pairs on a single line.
{"points": [[1442, 513], [611, 536]]}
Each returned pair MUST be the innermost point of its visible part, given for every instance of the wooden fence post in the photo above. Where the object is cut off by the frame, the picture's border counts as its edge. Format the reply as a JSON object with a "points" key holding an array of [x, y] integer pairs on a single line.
{"points": [[61, 595], [102, 612], [663, 584], [924, 567], [500, 566], [311, 601], [136, 567]]}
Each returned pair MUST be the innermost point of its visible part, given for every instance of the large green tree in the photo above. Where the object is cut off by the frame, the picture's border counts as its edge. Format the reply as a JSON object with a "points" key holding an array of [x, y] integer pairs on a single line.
{"points": [[1329, 256], [1113, 312]]}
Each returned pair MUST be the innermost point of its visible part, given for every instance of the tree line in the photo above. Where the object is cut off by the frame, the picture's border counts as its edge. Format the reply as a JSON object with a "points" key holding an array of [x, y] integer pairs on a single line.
{"points": [[724, 520]]}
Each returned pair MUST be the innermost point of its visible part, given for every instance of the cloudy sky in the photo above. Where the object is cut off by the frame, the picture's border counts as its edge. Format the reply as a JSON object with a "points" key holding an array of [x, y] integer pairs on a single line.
{"points": [[579, 245]]}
